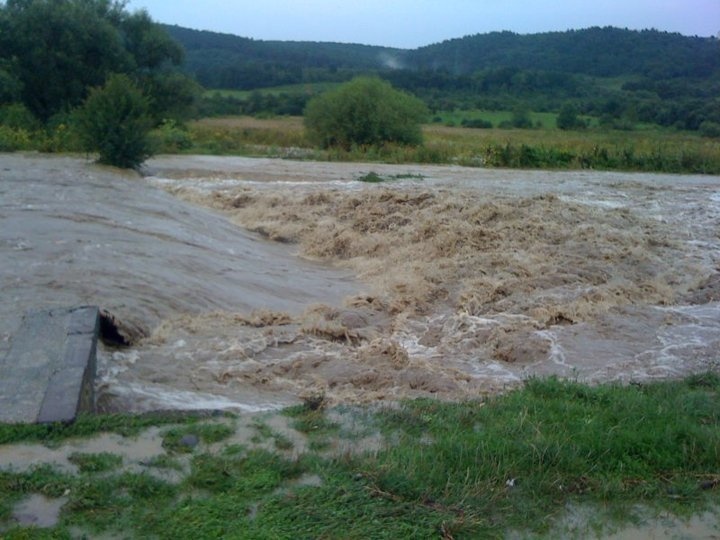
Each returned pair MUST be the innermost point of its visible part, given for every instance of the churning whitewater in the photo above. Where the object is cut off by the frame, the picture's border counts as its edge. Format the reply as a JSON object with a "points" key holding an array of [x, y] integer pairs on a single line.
{"points": [[250, 283]]}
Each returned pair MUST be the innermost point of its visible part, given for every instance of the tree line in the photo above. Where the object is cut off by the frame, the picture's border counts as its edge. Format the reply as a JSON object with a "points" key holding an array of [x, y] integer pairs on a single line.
{"points": [[619, 75]]}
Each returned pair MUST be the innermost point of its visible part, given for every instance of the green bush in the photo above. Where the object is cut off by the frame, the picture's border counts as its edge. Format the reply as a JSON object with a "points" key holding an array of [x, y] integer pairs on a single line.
{"points": [[364, 112], [14, 139], [477, 123], [172, 137], [18, 116], [114, 122]]}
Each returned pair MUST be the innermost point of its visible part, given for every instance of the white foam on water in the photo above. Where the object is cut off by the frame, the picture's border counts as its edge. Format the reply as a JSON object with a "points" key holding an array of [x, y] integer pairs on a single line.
{"points": [[156, 397]]}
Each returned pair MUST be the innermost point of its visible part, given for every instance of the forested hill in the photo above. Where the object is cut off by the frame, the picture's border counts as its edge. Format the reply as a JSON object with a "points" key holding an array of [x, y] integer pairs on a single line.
{"points": [[620, 76], [599, 52], [227, 61]]}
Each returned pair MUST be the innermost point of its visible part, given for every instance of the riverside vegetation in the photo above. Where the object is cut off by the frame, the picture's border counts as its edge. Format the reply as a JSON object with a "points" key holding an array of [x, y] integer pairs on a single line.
{"points": [[650, 150], [514, 464]]}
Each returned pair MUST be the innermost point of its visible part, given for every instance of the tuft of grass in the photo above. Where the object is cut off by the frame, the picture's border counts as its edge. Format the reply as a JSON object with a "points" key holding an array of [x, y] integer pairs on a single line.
{"points": [[208, 433], [266, 432], [311, 421], [371, 178], [374, 178], [88, 425], [165, 461], [95, 463]]}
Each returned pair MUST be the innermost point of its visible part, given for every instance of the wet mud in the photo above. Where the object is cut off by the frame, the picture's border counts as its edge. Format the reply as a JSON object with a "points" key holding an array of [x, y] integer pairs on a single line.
{"points": [[262, 282]]}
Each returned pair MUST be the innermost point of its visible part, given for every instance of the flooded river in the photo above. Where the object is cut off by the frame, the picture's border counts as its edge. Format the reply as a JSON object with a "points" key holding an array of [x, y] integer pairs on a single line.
{"points": [[250, 283]]}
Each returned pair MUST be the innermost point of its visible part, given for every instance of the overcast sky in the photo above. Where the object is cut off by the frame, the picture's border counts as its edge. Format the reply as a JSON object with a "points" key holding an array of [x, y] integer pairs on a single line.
{"points": [[413, 23]]}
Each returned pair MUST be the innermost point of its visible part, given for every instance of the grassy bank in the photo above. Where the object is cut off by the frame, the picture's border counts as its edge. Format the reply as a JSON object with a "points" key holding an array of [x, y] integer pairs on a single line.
{"points": [[515, 462], [649, 151]]}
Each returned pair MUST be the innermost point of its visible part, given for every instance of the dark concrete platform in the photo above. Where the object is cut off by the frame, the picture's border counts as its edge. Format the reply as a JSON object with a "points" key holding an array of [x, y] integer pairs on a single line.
{"points": [[48, 374]]}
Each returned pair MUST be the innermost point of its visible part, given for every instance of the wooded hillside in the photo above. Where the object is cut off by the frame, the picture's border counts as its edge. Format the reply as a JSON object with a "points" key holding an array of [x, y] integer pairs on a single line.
{"points": [[621, 76]]}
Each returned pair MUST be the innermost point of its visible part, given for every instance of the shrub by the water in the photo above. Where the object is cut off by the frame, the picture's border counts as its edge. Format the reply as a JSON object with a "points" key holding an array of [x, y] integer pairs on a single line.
{"points": [[114, 122], [364, 112]]}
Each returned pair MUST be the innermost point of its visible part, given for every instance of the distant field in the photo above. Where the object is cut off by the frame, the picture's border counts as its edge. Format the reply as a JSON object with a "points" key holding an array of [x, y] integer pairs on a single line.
{"points": [[547, 120], [305, 88]]}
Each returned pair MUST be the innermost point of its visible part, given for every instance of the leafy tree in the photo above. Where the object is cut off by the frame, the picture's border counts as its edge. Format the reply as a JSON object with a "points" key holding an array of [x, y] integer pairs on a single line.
{"points": [[10, 85], [568, 118], [62, 48], [365, 111], [114, 122], [172, 95], [17, 116], [56, 50], [521, 117]]}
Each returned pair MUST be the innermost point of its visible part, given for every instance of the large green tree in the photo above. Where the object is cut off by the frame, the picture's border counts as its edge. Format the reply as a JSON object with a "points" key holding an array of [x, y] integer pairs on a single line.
{"points": [[365, 111], [114, 122], [54, 51]]}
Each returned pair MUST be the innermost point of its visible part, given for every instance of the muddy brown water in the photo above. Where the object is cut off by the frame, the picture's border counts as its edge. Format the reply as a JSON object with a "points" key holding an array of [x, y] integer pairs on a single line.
{"points": [[247, 284]]}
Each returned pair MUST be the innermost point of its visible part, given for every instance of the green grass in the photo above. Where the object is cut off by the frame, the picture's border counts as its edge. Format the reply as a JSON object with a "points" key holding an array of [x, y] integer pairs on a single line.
{"points": [[87, 426], [530, 452], [208, 433], [475, 469], [374, 178], [310, 420], [455, 117], [265, 432], [94, 463]]}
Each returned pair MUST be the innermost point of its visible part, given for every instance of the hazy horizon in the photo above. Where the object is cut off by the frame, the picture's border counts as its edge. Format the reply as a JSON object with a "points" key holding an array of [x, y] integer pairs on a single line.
{"points": [[408, 25]]}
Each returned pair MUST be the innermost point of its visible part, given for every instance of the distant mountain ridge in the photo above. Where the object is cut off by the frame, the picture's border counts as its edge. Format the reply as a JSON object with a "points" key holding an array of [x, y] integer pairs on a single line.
{"points": [[224, 60], [599, 52]]}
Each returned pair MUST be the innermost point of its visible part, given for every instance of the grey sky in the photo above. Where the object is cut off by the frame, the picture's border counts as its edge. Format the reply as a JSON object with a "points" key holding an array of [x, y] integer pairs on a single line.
{"points": [[413, 23]]}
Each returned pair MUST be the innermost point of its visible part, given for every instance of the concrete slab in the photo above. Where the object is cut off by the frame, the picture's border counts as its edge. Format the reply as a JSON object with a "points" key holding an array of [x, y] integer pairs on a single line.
{"points": [[48, 374]]}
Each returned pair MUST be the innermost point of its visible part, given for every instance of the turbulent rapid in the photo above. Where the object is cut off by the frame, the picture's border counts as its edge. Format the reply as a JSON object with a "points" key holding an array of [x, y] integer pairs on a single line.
{"points": [[251, 283]]}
